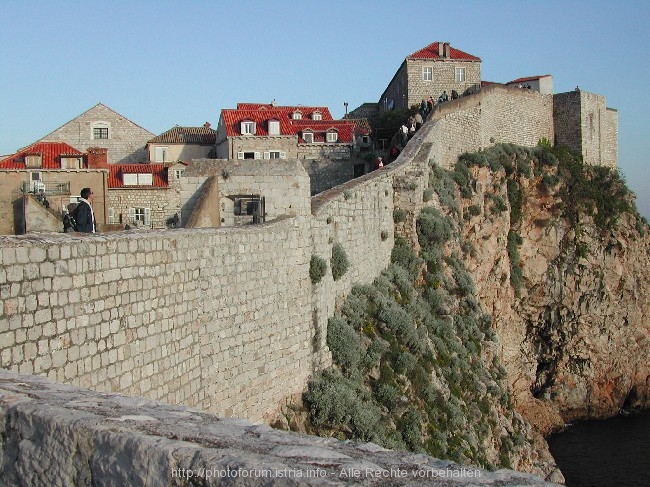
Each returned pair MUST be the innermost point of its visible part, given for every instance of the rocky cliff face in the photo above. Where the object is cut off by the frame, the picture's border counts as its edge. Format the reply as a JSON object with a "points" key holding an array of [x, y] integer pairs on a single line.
{"points": [[574, 323], [523, 285]]}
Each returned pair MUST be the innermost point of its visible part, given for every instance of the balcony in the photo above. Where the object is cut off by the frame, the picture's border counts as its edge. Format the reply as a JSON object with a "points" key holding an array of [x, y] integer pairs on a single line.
{"points": [[46, 187]]}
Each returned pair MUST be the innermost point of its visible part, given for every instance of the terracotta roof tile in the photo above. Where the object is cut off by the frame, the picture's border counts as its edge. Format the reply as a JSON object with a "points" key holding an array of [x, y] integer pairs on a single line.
{"points": [[530, 78], [261, 114], [432, 52], [158, 172], [186, 135], [50, 152]]}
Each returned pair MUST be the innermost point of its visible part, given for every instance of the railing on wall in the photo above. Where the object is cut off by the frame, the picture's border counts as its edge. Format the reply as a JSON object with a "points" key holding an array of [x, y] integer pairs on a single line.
{"points": [[45, 187]]}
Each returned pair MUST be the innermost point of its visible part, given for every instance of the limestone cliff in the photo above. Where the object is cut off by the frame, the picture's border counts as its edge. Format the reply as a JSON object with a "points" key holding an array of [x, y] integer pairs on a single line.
{"points": [[574, 323], [527, 290]]}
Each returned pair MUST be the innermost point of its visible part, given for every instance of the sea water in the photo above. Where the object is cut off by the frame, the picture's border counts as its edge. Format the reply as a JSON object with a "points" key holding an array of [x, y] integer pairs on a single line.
{"points": [[608, 453]]}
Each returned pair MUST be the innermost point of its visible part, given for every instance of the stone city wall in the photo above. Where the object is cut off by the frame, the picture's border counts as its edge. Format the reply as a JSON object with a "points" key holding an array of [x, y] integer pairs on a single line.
{"points": [[218, 319], [54, 434], [226, 320]]}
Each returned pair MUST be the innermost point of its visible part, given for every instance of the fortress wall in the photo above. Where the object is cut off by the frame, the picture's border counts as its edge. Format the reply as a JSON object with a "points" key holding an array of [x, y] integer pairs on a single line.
{"points": [[227, 319], [497, 114], [217, 319], [609, 153]]}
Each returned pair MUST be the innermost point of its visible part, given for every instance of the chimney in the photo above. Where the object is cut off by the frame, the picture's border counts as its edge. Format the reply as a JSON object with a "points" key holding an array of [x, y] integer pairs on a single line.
{"points": [[447, 50], [441, 51], [97, 158]]}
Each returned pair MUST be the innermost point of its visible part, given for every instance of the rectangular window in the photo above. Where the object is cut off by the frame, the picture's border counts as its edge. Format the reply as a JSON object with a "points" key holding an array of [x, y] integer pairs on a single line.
{"points": [[274, 127], [145, 179], [70, 163], [460, 75], [427, 74], [248, 128], [140, 216], [308, 137], [100, 133], [161, 154], [178, 173], [332, 137]]}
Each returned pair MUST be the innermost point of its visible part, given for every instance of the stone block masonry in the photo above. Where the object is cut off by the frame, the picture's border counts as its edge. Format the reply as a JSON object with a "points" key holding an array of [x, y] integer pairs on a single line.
{"points": [[55, 435], [214, 319]]}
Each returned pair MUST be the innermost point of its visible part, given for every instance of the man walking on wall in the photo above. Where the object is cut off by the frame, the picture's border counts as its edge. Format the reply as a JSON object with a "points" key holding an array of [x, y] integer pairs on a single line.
{"points": [[84, 214]]}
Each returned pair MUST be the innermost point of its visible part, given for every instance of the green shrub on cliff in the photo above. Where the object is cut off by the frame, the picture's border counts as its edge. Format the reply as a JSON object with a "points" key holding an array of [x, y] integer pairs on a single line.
{"points": [[391, 339], [317, 269], [339, 262]]}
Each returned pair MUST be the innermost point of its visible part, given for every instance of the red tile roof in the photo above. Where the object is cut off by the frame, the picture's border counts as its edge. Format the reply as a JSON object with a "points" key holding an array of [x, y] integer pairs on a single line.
{"points": [[306, 111], [261, 114], [431, 52], [524, 80], [50, 152], [158, 171]]}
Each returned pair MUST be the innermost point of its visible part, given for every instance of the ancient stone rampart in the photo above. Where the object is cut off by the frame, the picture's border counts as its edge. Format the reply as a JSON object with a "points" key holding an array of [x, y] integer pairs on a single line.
{"points": [[227, 319]]}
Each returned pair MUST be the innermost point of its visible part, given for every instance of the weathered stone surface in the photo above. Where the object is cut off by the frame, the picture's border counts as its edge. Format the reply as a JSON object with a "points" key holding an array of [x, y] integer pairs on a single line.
{"points": [[57, 435]]}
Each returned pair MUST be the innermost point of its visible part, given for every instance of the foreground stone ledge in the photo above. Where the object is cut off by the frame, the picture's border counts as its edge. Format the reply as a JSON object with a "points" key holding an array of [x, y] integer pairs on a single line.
{"points": [[60, 435]]}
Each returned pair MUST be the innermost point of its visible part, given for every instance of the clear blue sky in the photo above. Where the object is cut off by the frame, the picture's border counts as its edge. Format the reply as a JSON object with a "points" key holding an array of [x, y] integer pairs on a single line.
{"points": [[161, 63]]}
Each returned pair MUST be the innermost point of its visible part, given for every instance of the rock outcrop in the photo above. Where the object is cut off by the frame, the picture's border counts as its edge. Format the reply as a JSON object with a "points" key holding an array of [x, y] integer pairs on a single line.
{"points": [[575, 335]]}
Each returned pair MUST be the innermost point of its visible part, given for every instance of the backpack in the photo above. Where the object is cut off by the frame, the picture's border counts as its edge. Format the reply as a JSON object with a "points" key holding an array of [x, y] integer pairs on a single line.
{"points": [[69, 222]]}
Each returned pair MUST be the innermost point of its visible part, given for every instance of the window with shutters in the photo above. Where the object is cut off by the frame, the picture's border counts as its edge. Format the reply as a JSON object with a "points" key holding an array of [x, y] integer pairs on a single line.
{"points": [[274, 127], [317, 116], [161, 154], [140, 216], [249, 155], [70, 162], [332, 137], [248, 127], [111, 216], [275, 154], [143, 179], [308, 137]]}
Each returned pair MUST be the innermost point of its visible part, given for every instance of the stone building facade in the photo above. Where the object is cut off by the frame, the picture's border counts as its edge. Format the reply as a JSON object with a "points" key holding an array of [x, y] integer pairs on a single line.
{"points": [[145, 195], [270, 131], [182, 144], [102, 127], [584, 123], [428, 73]]}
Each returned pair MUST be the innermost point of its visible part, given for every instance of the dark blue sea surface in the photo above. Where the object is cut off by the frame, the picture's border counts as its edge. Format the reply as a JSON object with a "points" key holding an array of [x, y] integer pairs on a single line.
{"points": [[608, 453]]}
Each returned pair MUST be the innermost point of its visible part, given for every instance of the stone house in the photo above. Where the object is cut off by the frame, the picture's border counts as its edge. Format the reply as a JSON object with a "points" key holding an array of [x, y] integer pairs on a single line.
{"points": [[226, 193], [144, 195], [41, 180], [182, 144], [269, 131], [102, 127], [429, 72]]}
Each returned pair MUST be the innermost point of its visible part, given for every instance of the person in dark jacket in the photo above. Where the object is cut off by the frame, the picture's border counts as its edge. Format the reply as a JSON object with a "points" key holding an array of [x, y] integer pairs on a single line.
{"points": [[84, 215]]}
